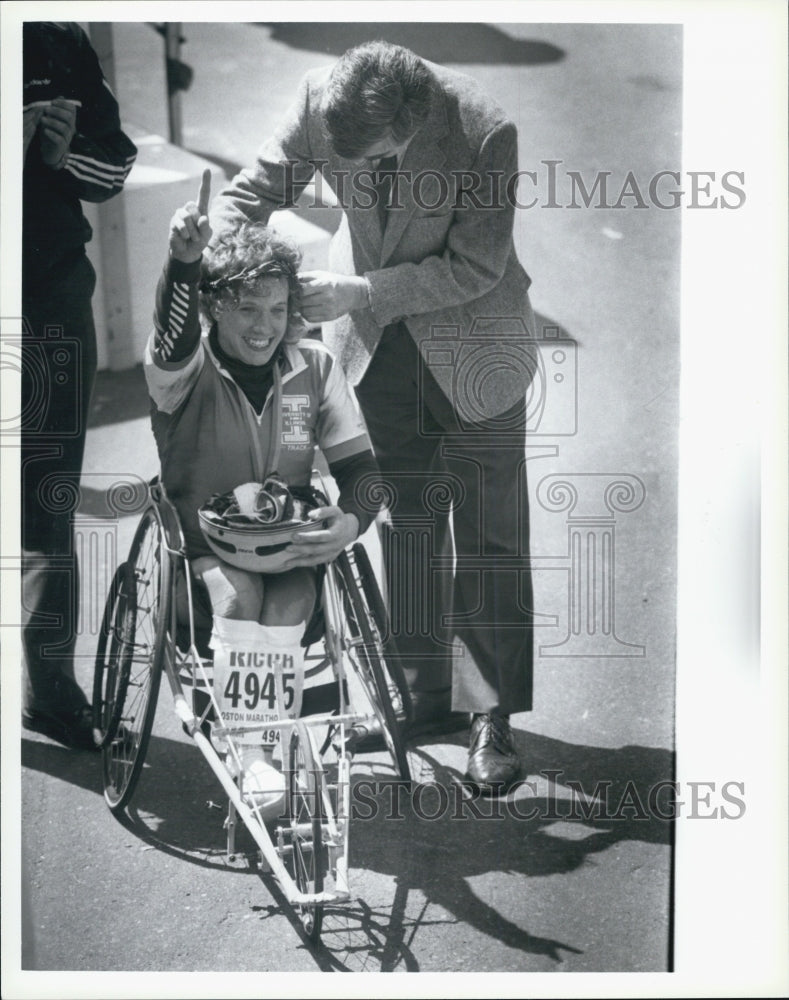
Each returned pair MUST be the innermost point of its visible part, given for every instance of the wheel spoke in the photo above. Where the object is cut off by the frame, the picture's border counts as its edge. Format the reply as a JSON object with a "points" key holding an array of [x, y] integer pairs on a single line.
{"points": [[364, 648], [307, 854], [132, 669]]}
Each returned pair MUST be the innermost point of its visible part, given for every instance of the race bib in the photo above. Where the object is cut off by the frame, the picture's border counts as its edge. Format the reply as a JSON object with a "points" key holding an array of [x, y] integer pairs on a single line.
{"points": [[259, 688], [257, 683]]}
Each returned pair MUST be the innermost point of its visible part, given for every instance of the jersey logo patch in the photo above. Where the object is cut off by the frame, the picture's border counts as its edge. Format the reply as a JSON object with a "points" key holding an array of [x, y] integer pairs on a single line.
{"points": [[295, 413]]}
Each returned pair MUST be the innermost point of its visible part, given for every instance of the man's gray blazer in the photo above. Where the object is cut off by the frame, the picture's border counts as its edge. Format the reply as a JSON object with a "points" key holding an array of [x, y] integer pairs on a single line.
{"points": [[446, 262]]}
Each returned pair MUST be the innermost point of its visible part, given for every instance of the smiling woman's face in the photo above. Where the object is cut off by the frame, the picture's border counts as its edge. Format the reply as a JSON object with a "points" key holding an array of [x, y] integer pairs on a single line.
{"points": [[253, 330]]}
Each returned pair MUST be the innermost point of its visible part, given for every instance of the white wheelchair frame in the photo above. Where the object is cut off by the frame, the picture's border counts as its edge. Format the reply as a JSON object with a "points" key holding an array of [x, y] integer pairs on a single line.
{"points": [[307, 848]]}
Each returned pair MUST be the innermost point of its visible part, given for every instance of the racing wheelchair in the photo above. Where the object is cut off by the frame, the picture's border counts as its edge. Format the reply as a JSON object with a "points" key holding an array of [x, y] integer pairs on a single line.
{"points": [[151, 626]]}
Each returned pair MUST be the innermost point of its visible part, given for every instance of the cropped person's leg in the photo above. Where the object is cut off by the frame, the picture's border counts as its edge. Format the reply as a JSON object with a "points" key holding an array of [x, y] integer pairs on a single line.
{"points": [[234, 593], [289, 598], [237, 601], [58, 372]]}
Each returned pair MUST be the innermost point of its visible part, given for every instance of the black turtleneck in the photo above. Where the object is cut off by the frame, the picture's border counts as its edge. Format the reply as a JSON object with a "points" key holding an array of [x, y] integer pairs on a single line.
{"points": [[253, 380]]}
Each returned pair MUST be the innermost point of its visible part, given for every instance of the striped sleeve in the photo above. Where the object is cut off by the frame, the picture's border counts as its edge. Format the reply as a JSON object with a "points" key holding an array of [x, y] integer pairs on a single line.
{"points": [[101, 154], [97, 178], [174, 358], [176, 318]]}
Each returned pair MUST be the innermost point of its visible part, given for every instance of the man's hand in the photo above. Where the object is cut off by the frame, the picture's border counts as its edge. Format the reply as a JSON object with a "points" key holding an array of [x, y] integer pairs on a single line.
{"points": [[326, 296], [190, 231], [315, 547], [58, 125], [30, 120]]}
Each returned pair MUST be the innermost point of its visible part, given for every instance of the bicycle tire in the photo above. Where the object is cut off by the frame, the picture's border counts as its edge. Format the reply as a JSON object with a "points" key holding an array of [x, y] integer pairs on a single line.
{"points": [[113, 651], [380, 614], [371, 668], [307, 858], [123, 756]]}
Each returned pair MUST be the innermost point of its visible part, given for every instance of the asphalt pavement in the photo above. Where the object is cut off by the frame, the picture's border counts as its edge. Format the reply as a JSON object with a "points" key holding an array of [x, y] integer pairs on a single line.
{"points": [[543, 889]]}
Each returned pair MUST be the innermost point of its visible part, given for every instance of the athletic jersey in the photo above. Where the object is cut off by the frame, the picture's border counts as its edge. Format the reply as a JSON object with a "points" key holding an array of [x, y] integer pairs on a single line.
{"points": [[210, 438]]}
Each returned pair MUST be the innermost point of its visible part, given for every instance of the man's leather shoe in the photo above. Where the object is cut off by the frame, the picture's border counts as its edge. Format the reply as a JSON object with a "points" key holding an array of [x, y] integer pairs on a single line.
{"points": [[493, 764], [71, 727]]}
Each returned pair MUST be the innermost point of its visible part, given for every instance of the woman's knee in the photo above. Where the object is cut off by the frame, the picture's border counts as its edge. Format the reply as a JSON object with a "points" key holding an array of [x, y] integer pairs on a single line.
{"points": [[234, 593], [289, 597]]}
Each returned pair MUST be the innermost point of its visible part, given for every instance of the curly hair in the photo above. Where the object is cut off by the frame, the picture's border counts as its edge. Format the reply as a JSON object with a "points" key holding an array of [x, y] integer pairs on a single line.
{"points": [[375, 90], [239, 259]]}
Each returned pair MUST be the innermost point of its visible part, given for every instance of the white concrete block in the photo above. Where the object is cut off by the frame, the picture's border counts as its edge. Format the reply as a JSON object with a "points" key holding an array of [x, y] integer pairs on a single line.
{"points": [[314, 242]]}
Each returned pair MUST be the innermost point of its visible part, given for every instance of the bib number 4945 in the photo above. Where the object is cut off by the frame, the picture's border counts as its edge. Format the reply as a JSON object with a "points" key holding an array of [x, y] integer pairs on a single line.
{"points": [[258, 690]]}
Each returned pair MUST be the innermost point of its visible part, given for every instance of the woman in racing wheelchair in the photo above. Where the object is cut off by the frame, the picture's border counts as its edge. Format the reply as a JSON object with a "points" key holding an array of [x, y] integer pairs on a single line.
{"points": [[238, 409]]}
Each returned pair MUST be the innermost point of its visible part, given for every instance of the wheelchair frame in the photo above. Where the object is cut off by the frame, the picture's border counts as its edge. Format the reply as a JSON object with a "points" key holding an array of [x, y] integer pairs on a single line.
{"points": [[138, 642]]}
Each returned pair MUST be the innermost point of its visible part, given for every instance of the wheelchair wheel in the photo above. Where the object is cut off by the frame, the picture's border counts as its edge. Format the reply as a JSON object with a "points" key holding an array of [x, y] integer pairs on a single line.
{"points": [[401, 696], [371, 591], [113, 656], [307, 854], [386, 690], [146, 608]]}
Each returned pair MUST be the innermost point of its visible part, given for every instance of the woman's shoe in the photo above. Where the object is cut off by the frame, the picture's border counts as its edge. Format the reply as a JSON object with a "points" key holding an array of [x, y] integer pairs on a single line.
{"points": [[261, 784]]}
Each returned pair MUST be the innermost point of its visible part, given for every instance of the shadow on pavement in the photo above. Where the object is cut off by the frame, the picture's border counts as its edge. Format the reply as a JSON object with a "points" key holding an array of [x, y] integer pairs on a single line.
{"points": [[438, 42], [441, 839], [77, 767], [435, 841], [188, 826]]}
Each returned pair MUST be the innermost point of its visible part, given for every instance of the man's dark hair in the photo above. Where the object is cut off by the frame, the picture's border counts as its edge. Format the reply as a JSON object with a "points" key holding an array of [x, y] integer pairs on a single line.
{"points": [[376, 89]]}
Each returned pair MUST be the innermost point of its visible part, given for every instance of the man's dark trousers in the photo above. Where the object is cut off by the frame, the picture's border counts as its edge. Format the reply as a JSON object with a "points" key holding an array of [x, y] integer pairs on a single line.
{"points": [[58, 373], [432, 463]]}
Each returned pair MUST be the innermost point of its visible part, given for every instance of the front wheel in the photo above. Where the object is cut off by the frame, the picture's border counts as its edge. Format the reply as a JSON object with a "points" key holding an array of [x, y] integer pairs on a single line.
{"points": [[113, 656], [145, 599], [364, 646], [307, 853]]}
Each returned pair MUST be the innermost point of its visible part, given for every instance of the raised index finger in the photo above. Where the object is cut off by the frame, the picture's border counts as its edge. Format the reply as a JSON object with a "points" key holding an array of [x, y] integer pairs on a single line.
{"points": [[205, 192]]}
